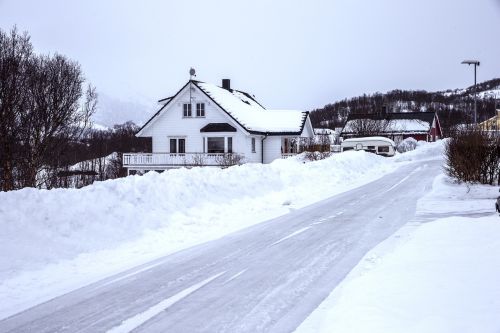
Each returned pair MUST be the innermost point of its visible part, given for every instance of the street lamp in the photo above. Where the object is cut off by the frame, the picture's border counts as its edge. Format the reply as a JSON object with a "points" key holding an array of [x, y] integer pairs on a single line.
{"points": [[475, 63]]}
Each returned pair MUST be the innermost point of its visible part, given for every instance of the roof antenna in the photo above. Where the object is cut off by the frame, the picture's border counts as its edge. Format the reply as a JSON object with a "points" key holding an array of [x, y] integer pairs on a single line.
{"points": [[192, 73]]}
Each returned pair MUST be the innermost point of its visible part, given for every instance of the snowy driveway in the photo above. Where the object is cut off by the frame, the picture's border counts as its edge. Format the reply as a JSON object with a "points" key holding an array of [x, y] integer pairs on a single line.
{"points": [[266, 278]]}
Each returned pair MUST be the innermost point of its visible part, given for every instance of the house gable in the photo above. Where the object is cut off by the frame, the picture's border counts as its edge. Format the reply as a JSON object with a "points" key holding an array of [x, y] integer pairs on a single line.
{"points": [[175, 103], [243, 110]]}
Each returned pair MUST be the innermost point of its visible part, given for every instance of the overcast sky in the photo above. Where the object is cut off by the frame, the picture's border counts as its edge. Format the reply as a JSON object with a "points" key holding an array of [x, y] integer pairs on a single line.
{"points": [[290, 54]]}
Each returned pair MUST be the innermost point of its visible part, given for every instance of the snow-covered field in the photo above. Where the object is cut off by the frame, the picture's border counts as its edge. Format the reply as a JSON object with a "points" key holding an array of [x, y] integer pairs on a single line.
{"points": [[55, 241], [439, 273]]}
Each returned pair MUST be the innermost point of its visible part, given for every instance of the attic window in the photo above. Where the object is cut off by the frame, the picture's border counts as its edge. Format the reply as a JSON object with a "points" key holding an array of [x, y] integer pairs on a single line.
{"points": [[187, 110], [200, 109]]}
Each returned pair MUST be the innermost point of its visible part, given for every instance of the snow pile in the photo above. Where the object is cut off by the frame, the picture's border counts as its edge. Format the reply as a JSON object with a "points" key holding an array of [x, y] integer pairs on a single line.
{"points": [[444, 279], [64, 238], [424, 151], [68, 222], [438, 276]]}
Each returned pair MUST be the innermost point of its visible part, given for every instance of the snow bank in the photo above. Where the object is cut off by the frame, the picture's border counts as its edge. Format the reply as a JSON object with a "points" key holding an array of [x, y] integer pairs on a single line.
{"points": [[42, 226], [440, 275], [444, 279], [60, 239]]}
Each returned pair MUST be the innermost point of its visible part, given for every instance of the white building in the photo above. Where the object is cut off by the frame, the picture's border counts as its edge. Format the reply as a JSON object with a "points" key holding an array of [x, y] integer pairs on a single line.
{"points": [[203, 124]]}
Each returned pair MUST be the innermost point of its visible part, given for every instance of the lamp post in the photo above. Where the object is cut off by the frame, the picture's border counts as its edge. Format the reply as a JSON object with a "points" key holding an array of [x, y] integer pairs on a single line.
{"points": [[475, 63]]}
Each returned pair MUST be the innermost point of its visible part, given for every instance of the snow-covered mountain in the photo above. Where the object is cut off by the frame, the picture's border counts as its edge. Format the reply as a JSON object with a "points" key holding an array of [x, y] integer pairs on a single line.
{"points": [[454, 106]]}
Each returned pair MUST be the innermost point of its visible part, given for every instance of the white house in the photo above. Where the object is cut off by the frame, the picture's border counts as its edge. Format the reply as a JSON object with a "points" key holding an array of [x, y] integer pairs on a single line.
{"points": [[204, 124]]}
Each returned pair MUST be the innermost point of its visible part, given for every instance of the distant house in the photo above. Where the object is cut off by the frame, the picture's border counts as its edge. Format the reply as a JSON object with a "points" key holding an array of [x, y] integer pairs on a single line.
{"points": [[492, 124], [422, 126], [207, 125]]}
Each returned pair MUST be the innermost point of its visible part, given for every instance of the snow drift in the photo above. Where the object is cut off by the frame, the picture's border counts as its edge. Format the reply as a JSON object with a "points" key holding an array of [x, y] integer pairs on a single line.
{"points": [[44, 226], [54, 241]]}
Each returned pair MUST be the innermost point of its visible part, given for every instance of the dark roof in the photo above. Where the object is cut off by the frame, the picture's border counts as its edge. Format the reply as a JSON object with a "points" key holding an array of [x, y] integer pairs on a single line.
{"points": [[218, 127], [422, 116], [166, 99]]}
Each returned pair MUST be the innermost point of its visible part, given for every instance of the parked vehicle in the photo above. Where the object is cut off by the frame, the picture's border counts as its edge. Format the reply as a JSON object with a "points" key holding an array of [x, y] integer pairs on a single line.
{"points": [[374, 144]]}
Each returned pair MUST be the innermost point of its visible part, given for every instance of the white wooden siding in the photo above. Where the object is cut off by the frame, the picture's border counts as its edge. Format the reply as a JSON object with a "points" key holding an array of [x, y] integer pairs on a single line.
{"points": [[172, 124], [272, 148]]}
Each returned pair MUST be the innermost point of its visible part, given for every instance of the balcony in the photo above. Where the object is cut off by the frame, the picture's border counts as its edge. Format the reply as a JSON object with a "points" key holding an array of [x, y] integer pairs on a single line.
{"points": [[153, 161]]}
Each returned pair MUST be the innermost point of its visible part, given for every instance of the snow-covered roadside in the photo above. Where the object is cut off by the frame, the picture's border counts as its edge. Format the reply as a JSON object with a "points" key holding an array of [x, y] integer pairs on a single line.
{"points": [[437, 276], [56, 241]]}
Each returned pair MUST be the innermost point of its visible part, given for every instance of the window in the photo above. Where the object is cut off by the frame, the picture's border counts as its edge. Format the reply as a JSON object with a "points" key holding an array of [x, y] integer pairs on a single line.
{"points": [[229, 145], [182, 146], [215, 145], [253, 145], [187, 110], [383, 149], [173, 146], [200, 109], [177, 146]]}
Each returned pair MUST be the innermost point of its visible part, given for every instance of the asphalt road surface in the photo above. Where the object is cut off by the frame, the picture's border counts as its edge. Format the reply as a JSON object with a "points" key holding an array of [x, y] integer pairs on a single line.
{"points": [[266, 278]]}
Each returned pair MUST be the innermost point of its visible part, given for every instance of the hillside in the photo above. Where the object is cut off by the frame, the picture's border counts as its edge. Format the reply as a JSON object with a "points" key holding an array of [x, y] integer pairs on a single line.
{"points": [[453, 106]]}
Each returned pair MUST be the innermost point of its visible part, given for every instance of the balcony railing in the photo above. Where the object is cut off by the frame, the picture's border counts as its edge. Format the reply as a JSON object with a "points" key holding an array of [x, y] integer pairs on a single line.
{"points": [[180, 159]]}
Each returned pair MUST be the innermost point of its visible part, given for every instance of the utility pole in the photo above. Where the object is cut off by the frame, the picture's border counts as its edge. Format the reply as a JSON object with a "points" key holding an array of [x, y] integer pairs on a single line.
{"points": [[475, 63]]}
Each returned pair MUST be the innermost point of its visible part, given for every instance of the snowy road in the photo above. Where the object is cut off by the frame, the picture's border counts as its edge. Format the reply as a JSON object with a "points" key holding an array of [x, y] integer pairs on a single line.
{"points": [[266, 278]]}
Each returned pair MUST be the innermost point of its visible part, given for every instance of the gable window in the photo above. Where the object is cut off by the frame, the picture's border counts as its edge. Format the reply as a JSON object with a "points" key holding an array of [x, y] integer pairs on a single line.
{"points": [[200, 109], [187, 110], [253, 145], [215, 145], [177, 146]]}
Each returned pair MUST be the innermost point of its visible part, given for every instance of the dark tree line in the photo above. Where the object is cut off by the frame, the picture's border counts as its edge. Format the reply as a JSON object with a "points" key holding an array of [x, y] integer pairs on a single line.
{"points": [[453, 107], [98, 156]]}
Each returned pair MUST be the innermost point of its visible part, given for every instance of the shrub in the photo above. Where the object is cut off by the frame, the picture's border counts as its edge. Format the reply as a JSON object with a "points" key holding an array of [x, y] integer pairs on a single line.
{"points": [[407, 144], [473, 156]]}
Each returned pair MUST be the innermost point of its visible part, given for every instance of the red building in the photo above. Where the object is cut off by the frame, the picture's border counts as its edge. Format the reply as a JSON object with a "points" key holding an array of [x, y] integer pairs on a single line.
{"points": [[422, 126]]}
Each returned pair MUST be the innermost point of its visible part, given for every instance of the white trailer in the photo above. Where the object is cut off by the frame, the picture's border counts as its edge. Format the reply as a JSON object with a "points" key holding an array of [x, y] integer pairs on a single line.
{"points": [[374, 144]]}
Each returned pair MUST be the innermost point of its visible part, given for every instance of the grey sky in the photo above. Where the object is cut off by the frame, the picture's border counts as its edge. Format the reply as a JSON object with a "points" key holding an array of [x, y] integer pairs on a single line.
{"points": [[290, 54]]}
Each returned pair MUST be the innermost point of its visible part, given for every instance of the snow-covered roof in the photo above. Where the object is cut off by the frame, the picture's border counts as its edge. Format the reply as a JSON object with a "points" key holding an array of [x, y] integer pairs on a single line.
{"points": [[251, 115], [394, 123], [323, 131], [370, 138]]}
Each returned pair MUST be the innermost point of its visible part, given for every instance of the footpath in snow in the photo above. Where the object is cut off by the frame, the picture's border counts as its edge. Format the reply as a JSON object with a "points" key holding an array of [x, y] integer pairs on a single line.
{"points": [[55, 241], [439, 273]]}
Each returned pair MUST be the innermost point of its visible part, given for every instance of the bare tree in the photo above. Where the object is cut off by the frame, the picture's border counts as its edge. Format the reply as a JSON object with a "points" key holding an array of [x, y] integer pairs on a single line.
{"points": [[368, 127], [229, 159], [42, 110], [16, 52]]}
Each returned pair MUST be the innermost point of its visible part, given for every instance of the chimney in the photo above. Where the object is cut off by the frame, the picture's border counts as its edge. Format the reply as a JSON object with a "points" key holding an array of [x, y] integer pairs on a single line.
{"points": [[226, 84]]}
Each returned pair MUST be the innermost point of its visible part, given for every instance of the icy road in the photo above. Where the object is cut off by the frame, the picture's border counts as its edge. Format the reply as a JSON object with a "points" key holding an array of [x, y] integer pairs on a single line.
{"points": [[266, 278]]}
